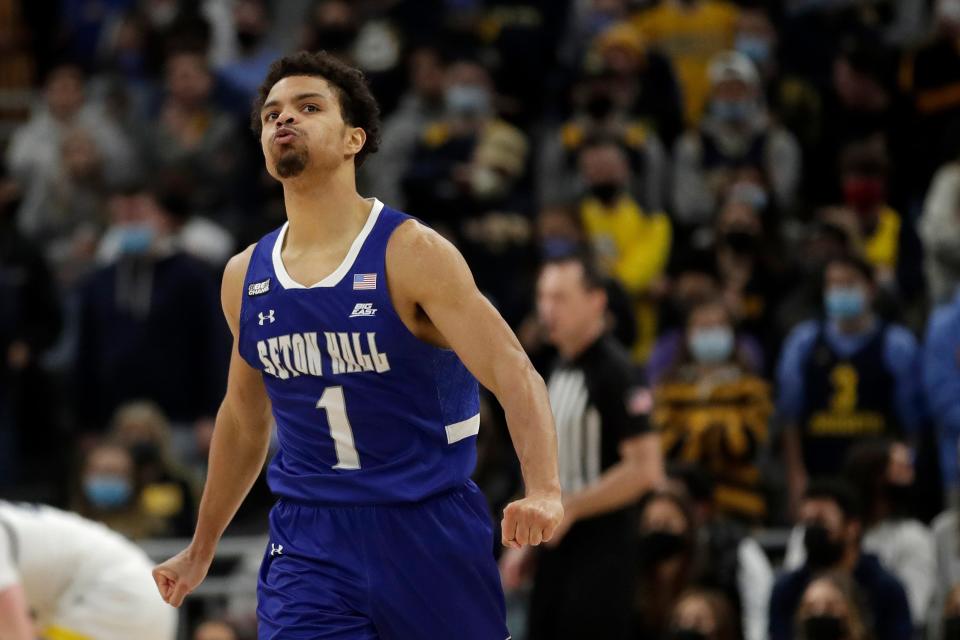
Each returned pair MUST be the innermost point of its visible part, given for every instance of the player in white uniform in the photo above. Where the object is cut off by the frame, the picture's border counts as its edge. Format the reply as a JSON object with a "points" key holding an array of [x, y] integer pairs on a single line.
{"points": [[81, 580]]}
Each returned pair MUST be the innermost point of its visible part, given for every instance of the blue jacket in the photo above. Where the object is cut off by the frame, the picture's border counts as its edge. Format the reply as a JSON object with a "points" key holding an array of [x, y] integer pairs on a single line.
{"points": [[941, 381]]}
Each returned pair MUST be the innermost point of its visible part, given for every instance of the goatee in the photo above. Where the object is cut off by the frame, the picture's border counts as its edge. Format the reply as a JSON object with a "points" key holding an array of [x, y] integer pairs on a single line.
{"points": [[291, 163]]}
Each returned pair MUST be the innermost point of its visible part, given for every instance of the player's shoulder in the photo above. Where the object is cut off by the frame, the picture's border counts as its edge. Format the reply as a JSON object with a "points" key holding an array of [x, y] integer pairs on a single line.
{"points": [[237, 266], [421, 260]]}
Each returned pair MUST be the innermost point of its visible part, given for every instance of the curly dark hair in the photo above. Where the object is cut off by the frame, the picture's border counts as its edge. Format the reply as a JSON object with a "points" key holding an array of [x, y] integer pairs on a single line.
{"points": [[357, 104]]}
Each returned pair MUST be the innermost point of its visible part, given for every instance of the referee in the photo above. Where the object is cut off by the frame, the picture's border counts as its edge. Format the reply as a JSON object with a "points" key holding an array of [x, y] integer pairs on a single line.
{"points": [[583, 581]]}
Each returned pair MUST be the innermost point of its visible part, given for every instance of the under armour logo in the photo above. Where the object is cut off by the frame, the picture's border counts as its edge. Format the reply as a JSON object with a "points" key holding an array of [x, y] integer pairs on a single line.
{"points": [[276, 550], [266, 316]]}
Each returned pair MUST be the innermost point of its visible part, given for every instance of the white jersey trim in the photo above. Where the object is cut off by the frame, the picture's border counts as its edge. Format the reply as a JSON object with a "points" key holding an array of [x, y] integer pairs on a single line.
{"points": [[334, 278], [463, 429]]}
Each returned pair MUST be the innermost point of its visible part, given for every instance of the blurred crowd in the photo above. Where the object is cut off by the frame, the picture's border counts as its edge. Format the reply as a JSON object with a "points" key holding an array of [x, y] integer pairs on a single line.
{"points": [[769, 192]]}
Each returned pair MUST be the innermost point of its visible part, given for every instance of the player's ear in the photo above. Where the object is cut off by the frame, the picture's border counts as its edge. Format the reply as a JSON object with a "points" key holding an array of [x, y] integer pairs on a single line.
{"points": [[356, 138]]}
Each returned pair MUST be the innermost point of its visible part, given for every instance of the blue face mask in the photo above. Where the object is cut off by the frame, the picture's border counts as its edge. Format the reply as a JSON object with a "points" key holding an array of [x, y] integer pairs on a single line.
{"points": [[107, 492], [467, 100], [711, 346], [732, 110], [843, 303], [136, 239], [553, 247], [756, 48]]}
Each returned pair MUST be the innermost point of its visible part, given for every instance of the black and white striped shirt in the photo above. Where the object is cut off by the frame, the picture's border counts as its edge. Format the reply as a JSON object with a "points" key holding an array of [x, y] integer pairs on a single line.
{"points": [[591, 401]]}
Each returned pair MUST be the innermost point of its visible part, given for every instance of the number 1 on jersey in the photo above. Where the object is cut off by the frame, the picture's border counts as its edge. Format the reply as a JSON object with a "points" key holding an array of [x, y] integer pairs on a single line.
{"points": [[336, 407]]}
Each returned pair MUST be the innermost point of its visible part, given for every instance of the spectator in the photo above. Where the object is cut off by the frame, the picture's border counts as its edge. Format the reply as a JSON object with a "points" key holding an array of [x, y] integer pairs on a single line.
{"points": [[939, 229], [941, 382], [468, 160], [672, 25], [195, 235], [665, 562], [108, 491], [29, 324], [928, 76], [331, 26], [731, 561], [703, 615], [713, 413], [749, 272], [242, 75], [194, 145], [149, 325], [756, 38], [882, 473], [830, 608], [832, 539], [863, 173], [630, 244], [215, 630], [419, 106], [615, 101], [736, 139], [167, 492], [34, 155], [608, 458], [845, 378]]}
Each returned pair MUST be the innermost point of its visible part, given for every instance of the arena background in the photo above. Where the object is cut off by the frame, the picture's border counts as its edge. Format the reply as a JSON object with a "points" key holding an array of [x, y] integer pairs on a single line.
{"points": [[699, 149]]}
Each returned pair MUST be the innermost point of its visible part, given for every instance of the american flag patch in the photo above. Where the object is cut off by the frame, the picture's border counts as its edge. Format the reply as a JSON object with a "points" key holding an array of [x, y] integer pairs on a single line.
{"points": [[364, 281]]}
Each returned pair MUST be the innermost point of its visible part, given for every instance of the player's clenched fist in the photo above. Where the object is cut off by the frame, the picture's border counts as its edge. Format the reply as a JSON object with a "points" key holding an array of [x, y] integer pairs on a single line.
{"points": [[531, 520], [180, 575]]}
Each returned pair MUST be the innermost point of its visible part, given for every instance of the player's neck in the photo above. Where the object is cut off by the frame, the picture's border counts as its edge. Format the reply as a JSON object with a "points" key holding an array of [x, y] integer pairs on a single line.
{"points": [[323, 209]]}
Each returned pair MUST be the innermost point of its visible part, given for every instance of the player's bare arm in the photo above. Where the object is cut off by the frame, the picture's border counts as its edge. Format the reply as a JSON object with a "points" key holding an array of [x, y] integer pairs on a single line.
{"points": [[237, 454], [15, 622], [435, 294]]}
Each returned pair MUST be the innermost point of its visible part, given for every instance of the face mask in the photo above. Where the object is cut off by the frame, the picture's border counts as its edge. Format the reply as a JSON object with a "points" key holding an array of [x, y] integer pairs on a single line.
{"points": [[248, 40], [107, 492], [824, 627], [822, 551], [686, 634], [658, 546], [711, 346], [843, 303], [756, 48], [751, 193], [732, 111], [951, 628], [467, 101], [900, 496], [864, 194], [739, 241], [487, 183], [555, 247], [599, 106], [606, 192], [136, 239], [335, 38]]}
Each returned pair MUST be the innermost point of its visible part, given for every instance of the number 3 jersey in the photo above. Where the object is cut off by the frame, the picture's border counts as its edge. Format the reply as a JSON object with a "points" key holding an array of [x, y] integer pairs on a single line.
{"points": [[366, 413]]}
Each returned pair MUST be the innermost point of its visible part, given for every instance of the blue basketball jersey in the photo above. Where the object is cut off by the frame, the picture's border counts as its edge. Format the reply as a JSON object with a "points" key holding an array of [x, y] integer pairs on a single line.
{"points": [[366, 412]]}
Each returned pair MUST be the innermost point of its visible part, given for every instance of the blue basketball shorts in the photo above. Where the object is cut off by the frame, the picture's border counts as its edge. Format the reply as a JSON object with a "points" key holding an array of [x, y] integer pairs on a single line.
{"points": [[420, 571]]}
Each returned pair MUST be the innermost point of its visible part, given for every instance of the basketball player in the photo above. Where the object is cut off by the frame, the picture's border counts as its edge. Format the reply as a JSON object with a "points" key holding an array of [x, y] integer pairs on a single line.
{"points": [[365, 333], [81, 580]]}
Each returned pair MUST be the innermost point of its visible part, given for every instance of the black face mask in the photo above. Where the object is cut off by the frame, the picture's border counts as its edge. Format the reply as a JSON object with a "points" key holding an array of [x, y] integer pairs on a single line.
{"points": [[741, 241], [686, 634], [606, 192], [335, 38], [599, 106], [900, 496], [822, 551], [951, 628], [145, 453], [248, 40], [824, 628], [657, 546]]}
